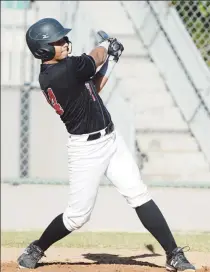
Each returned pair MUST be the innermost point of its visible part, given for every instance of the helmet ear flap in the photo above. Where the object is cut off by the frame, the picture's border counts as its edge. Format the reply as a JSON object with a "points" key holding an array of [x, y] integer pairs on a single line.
{"points": [[46, 53]]}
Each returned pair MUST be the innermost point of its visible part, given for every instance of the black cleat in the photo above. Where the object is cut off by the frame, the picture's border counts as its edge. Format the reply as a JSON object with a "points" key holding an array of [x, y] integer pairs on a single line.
{"points": [[177, 261], [30, 257]]}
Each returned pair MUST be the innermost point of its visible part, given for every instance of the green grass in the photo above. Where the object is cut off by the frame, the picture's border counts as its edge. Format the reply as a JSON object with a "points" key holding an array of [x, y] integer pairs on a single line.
{"points": [[114, 240]]}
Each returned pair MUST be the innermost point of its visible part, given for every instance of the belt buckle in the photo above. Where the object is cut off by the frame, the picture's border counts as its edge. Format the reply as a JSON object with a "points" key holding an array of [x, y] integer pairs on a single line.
{"points": [[94, 136], [98, 135]]}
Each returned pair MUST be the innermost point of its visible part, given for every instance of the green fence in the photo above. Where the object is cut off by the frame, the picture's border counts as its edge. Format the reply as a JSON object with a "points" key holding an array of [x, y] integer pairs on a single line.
{"points": [[15, 4], [196, 17]]}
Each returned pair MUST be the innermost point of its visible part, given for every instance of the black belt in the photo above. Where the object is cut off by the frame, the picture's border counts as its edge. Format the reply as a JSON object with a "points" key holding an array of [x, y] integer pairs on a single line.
{"points": [[98, 135]]}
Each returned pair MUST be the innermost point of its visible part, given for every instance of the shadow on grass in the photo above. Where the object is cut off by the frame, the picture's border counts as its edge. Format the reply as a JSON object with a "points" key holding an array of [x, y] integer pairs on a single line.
{"points": [[100, 258]]}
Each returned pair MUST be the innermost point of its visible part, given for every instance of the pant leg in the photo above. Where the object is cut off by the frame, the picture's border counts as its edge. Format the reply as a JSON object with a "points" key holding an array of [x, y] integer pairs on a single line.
{"points": [[87, 162], [124, 173]]}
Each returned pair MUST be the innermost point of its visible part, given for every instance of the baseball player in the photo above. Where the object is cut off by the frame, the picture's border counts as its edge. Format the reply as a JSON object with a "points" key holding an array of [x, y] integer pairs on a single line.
{"points": [[71, 85]]}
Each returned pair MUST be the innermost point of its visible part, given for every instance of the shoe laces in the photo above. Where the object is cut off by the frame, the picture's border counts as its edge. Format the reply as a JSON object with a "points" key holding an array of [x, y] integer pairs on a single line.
{"points": [[179, 254], [34, 251]]}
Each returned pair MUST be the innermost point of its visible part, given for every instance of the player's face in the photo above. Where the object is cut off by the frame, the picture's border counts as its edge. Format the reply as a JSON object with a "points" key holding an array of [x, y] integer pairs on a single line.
{"points": [[62, 49]]}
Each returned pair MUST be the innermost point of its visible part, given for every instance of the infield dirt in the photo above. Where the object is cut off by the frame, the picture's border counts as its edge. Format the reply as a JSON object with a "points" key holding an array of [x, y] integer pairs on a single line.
{"points": [[98, 260]]}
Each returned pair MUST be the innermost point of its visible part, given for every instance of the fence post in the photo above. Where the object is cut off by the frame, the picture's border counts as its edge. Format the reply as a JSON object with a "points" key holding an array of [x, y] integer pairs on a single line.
{"points": [[24, 130]]}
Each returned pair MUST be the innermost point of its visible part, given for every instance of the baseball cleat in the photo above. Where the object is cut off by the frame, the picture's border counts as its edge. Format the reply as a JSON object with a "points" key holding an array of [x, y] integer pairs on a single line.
{"points": [[177, 261], [30, 257]]}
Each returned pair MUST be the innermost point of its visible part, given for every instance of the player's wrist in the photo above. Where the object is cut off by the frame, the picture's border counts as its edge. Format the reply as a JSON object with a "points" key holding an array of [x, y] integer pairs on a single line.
{"points": [[104, 44], [108, 66]]}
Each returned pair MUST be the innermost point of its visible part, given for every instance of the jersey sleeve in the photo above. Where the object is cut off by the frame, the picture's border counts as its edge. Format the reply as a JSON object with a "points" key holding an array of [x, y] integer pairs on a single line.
{"points": [[84, 66]]}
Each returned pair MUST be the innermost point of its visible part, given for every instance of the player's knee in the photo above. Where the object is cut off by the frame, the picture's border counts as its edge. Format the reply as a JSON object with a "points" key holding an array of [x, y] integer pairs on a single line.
{"points": [[138, 199], [76, 221]]}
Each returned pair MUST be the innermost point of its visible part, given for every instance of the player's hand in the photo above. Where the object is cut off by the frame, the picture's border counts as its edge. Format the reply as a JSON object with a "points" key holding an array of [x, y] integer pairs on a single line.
{"points": [[115, 49]]}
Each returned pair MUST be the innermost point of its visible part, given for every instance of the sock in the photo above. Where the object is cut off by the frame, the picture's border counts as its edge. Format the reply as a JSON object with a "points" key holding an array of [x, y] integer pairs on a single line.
{"points": [[153, 220], [53, 233]]}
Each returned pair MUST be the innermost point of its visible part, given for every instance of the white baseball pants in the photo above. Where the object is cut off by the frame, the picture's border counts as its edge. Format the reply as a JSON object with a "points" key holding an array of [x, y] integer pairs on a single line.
{"points": [[88, 161]]}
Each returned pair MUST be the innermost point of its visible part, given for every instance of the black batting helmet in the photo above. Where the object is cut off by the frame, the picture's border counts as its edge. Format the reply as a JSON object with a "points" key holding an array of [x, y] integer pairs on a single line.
{"points": [[41, 34]]}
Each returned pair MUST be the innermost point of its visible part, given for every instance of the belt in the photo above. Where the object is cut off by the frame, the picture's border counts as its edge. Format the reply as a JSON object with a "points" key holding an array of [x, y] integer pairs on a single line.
{"points": [[98, 135]]}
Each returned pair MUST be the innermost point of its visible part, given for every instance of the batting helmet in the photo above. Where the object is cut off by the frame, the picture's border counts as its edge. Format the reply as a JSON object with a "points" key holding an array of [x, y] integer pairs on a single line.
{"points": [[41, 34]]}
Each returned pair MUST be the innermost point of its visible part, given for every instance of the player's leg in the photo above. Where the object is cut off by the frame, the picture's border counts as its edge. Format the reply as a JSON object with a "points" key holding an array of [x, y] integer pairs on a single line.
{"points": [[123, 172], [87, 163]]}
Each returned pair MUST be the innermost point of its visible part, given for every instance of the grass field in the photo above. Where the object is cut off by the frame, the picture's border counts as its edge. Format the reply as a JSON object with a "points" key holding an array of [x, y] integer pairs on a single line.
{"points": [[199, 242], [103, 252]]}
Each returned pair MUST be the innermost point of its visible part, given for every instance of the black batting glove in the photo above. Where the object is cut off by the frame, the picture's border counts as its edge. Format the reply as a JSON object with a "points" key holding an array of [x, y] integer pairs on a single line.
{"points": [[115, 49]]}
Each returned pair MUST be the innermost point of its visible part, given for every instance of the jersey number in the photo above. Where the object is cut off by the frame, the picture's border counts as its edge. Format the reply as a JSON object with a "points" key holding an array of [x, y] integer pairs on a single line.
{"points": [[53, 102]]}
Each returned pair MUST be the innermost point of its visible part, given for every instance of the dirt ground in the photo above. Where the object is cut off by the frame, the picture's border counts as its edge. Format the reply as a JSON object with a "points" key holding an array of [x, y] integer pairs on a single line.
{"points": [[78, 260]]}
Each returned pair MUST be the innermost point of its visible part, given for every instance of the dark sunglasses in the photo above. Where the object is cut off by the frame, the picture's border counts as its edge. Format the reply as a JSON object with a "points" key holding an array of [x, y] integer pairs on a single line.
{"points": [[61, 42]]}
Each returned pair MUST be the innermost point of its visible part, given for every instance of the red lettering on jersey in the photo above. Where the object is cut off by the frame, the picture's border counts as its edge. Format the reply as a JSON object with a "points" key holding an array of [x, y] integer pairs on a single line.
{"points": [[87, 84], [53, 102]]}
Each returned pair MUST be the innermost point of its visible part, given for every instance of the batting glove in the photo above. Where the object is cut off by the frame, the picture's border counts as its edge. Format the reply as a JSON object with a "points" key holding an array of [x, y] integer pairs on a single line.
{"points": [[115, 49]]}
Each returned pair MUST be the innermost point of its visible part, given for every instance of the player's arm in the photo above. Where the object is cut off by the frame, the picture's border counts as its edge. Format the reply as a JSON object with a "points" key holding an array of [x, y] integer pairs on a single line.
{"points": [[99, 54], [115, 50], [86, 65], [101, 77]]}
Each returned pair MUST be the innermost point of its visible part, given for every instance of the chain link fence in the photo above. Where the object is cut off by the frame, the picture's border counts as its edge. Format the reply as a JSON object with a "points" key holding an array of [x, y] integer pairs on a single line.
{"points": [[31, 133], [30, 129], [20, 89], [196, 17]]}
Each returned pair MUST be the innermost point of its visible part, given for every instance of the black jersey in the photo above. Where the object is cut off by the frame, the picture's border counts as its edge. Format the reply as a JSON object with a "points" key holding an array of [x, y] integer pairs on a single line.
{"points": [[68, 88]]}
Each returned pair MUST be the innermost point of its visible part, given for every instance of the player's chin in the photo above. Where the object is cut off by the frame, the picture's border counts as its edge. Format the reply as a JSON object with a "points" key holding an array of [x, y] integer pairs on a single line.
{"points": [[64, 54]]}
